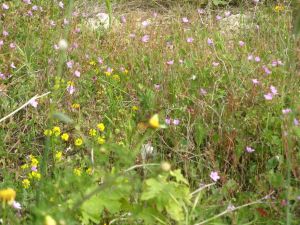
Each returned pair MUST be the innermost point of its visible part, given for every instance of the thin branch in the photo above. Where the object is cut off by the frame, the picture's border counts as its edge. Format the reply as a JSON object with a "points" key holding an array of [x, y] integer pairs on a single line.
{"points": [[24, 105], [201, 188], [259, 201]]}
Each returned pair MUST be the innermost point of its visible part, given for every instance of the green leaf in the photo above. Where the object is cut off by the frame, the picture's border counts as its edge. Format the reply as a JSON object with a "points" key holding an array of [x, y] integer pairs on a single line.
{"points": [[175, 211], [153, 188], [179, 177], [62, 117]]}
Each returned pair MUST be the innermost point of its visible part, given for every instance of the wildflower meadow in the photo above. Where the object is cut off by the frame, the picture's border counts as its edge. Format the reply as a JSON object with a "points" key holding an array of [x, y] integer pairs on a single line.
{"points": [[149, 112]]}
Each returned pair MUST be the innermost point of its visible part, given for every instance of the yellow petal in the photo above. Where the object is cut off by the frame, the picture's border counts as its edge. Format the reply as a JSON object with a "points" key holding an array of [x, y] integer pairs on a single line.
{"points": [[154, 121]]}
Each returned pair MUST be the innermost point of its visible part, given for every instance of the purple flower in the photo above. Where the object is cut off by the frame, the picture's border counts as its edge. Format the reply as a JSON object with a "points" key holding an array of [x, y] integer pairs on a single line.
{"points": [[286, 111], [145, 23], [249, 149], [1, 43], [145, 38], [230, 207], [12, 65], [214, 176], [210, 42], [257, 59], [34, 168], [168, 120], [176, 122], [190, 40], [296, 122], [12, 45], [100, 60], [71, 89], [255, 1], [157, 86], [241, 43], [274, 63], [185, 20], [70, 64], [52, 23], [5, 33], [27, 1], [34, 8]]}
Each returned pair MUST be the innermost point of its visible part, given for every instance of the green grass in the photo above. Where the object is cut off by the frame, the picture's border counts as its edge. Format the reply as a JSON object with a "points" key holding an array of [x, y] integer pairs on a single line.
{"points": [[111, 182]]}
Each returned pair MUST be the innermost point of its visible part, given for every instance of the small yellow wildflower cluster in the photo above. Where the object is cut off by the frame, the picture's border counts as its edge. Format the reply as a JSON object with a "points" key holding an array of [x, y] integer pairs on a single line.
{"points": [[279, 8], [65, 136], [58, 156], [78, 142], [33, 174], [56, 131], [77, 171], [75, 106], [8, 195]]}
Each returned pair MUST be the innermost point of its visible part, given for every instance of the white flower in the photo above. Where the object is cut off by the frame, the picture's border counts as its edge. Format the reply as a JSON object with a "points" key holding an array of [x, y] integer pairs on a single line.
{"points": [[63, 44]]}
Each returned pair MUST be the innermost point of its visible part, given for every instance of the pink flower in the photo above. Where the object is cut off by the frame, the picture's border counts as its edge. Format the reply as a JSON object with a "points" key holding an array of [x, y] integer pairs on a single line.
{"points": [[201, 11], [176, 122], [12, 45], [241, 43], [215, 64], [77, 73], [210, 42], [190, 40], [123, 19], [255, 1], [16, 205], [100, 60], [185, 20], [286, 111], [34, 8], [145, 23], [218, 17], [33, 103], [27, 1], [268, 96], [227, 13], [1, 43], [70, 64], [255, 81], [12, 65], [249, 149], [257, 59], [29, 13], [52, 23], [250, 57], [34, 168], [145, 38], [155, 14], [171, 62], [5, 33], [168, 120], [296, 122], [157, 86], [56, 47], [273, 90], [66, 22], [5, 6], [203, 91], [214, 176], [266, 69], [109, 70], [61, 5]]}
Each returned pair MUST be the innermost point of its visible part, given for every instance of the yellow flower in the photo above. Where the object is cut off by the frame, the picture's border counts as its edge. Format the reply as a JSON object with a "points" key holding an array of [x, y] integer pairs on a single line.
{"points": [[48, 132], [56, 131], [7, 195], [34, 161], [70, 83], [65, 137], [49, 220], [24, 166], [75, 106], [35, 175], [89, 171], [101, 126], [116, 77], [125, 71], [107, 73], [26, 183], [279, 8], [78, 142], [101, 140], [154, 121], [92, 63], [135, 108], [92, 132], [77, 172], [58, 155]]}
